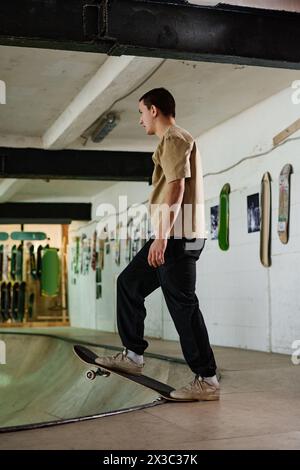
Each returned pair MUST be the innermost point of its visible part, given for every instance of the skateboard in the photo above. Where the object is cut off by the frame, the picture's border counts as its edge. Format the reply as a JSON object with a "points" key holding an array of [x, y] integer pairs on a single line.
{"points": [[4, 236], [284, 203], [89, 357], [223, 229], [118, 246], [21, 301], [6, 263], [77, 255], [1, 261], [7, 301], [3, 301], [19, 263], [50, 278], [30, 306], [28, 236], [265, 223], [39, 261], [15, 301], [33, 268], [128, 255], [94, 251], [13, 262]]}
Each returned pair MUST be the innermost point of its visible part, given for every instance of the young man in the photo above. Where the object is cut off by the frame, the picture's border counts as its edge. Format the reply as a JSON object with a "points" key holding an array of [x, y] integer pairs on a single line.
{"points": [[168, 259]]}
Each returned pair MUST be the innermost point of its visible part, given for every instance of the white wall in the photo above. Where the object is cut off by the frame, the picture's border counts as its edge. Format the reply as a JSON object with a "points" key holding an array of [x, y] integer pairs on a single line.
{"points": [[89, 312], [244, 304]]}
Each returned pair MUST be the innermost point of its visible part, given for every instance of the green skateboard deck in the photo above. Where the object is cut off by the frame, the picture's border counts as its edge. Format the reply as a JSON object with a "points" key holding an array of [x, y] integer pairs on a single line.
{"points": [[284, 203], [265, 228], [28, 236], [1, 261], [13, 262], [50, 272], [4, 236], [19, 263], [7, 303], [3, 301], [15, 301], [21, 301], [223, 229], [30, 306]]}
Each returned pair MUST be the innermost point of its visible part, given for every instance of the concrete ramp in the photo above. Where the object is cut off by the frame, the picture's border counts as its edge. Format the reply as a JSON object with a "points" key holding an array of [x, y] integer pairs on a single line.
{"points": [[42, 381]]}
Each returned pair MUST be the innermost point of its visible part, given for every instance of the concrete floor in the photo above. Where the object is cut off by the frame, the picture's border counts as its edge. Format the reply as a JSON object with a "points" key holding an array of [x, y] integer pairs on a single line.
{"points": [[259, 409]]}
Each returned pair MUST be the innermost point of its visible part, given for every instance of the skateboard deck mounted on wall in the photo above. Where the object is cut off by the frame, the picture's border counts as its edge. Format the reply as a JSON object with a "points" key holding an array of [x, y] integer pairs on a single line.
{"points": [[50, 272], [284, 203], [223, 229], [265, 228]]}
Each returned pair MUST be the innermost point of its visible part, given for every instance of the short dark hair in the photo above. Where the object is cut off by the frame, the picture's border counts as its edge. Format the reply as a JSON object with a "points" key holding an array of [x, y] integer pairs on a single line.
{"points": [[162, 99]]}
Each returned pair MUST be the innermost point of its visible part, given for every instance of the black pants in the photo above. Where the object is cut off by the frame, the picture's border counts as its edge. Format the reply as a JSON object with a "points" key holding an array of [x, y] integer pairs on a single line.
{"points": [[177, 278]]}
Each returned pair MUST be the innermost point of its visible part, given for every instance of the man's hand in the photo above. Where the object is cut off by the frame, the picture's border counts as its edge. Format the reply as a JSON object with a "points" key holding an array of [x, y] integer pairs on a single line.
{"points": [[156, 252]]}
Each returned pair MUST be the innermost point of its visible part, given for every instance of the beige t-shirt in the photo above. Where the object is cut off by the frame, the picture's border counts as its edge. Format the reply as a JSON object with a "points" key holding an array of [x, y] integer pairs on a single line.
{"points": [[177, 157]]}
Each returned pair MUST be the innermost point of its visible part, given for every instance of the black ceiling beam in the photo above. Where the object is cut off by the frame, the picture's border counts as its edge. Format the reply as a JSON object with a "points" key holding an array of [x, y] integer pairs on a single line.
{"points": [[39, 212], [223, 33], [75, 164], [172, 29], [51, 24]]}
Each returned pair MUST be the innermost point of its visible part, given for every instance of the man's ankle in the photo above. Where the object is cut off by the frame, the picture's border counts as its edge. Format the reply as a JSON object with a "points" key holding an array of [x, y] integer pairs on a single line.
{"points": [[212, 381], [137, 358]]}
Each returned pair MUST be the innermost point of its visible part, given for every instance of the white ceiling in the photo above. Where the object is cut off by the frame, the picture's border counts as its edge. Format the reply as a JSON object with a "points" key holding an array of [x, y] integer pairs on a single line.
{"points": [[54, 96], [40, 84]]}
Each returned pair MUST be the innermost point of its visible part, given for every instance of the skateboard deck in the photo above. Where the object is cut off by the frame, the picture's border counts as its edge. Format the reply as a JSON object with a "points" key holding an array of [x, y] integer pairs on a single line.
{"points": [[223, 230], [50, 272], [3, 301], [1, 261], [265, 229], [89, 357], [7, 303], [284, 203], [4, 236], [13, 262], [22, 236], [39, 261], [30, 306], [19, 263], [33, 269], [15, 301], [94, 251], [21, 301]]}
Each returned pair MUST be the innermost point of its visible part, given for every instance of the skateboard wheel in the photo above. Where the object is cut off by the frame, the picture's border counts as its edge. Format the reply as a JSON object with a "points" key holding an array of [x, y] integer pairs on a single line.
{"points": [[103, 373], [90, 375]]}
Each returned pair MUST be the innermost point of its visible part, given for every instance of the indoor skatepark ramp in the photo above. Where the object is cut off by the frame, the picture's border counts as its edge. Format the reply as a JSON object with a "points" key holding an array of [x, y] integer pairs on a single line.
{"points": [[43, 382]]}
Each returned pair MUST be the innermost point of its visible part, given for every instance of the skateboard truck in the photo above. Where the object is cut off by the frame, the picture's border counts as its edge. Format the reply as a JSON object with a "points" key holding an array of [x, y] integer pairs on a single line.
{"points": [[92, 374]]}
